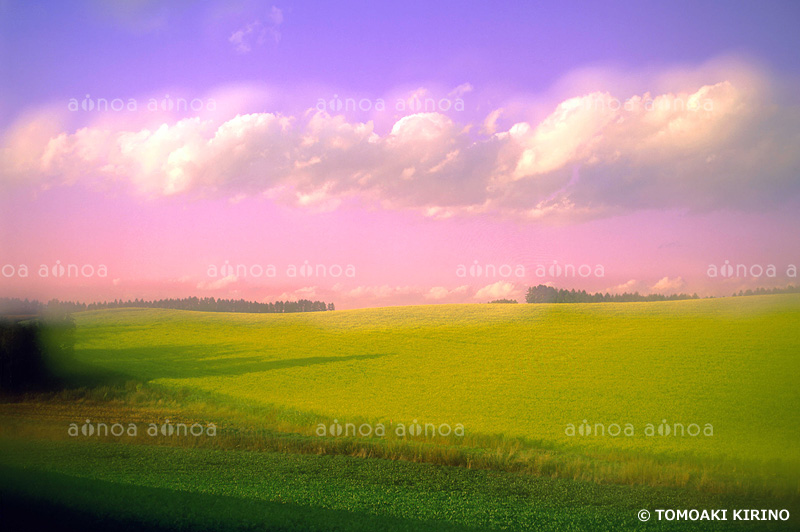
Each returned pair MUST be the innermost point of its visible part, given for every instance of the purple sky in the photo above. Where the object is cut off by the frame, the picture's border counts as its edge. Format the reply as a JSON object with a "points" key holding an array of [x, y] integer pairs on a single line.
{"points": [[396, 149]]}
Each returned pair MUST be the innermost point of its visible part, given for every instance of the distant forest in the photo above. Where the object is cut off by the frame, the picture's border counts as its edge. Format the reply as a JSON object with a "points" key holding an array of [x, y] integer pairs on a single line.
{"points": [[205, 304], [548, 294]]}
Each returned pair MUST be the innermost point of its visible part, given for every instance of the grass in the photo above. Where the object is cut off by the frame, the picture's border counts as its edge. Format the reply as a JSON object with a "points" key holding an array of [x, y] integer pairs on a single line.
{"points": [[514, 376], [158, 486]]}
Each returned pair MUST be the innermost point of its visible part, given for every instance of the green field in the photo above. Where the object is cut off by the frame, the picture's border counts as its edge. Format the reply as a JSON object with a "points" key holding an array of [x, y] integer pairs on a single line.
{"points": [[513, 376]]}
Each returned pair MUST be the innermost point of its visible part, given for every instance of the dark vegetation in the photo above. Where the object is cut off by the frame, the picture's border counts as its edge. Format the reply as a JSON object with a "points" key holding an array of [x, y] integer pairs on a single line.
{"points": [[548, 294], [13, 306]]}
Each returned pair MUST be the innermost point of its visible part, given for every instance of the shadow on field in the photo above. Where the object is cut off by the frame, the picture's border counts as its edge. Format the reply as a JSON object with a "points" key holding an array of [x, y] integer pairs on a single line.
{"points": [[37, 355], [172, 362], [36, 500], [74, 374]]}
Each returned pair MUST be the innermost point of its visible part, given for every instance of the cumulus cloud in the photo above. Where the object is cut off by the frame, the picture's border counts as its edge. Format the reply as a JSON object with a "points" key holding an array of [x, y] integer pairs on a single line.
{"points": [[217, 284], [306, 292], [666, 285], [498, 290], [380, 292], [440, 292], [631, 286], [719, 145]]}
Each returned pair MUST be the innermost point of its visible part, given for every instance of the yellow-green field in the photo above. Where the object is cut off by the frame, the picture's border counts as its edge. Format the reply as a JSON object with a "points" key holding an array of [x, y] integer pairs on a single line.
{"points": [[519, 379], [523, 372]]}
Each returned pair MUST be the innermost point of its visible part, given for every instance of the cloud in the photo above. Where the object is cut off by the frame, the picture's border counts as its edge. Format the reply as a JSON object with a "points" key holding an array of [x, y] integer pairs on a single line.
{"points": [[241, 39], [440, 292], [490, 124], [666, 285], [257, 32], [306, 292], [498, 290], [631, 286], [380, 292], [461, 90], [217, 284], [723, 145]]}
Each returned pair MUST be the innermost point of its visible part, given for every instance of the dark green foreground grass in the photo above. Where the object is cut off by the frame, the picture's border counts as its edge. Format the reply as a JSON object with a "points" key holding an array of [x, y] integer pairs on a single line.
{"points": [[64, 485]]}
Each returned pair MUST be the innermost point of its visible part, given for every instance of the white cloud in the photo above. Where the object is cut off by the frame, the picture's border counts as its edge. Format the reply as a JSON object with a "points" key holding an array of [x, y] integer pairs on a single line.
{"points": [[217, 284], [440, 292], [667, 286], [306, 292], [379, 292], [719, 145], [498, 290], [630, 287]]}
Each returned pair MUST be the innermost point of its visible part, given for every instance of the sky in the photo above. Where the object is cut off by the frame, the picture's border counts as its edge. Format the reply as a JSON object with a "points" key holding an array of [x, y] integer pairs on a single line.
{"points": [[374, 153]]}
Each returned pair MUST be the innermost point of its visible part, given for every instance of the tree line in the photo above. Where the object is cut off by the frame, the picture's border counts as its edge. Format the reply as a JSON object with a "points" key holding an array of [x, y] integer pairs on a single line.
{"points": [[14, 306], [791, 289], [548, 294]]}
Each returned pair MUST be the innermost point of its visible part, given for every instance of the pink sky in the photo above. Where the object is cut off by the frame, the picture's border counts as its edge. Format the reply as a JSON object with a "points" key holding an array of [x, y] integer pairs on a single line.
{"points": [[649, 147], [164, 247]]}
